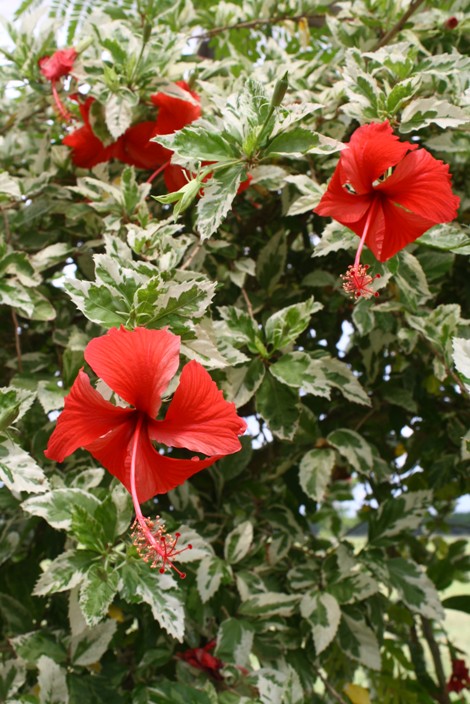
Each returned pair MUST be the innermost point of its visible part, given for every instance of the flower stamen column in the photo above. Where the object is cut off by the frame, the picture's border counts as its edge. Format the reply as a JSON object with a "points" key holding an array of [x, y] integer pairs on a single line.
{"points": [[356, 280], [153, 543]]}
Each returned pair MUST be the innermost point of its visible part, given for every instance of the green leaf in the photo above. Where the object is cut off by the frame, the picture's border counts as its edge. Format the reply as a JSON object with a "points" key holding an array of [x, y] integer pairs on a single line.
{"points": [[294, 143], [341, 377], [209, 577], [167, 692], [461, 355], [449, 237], [199, 142], [118, 112], [279, 406], [52, 682], [12, 677], [9, 186], [13, 405], [269, 604], [217, 199], [30, 647], [400, 513], [422, 112], [335, 237], [411, 280], [65, 572], [299, 370], [324, 615], [353, 448], [97, 591], [94, 531], [241, 383], [415, 588], [50, 396], [98, 303], [238, 542], [28, 302], [56, 506], [234, 641], [18, 471], [358, 641], [284, 326], [88, 646], [175, 304], [315, 472], [278, 686], [141, 584], [272, 261], [459, 602]]}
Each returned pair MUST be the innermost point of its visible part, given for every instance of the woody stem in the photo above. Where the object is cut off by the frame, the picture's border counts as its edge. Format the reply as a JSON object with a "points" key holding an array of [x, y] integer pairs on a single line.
{"points": [[138, 512], [364, 235]]}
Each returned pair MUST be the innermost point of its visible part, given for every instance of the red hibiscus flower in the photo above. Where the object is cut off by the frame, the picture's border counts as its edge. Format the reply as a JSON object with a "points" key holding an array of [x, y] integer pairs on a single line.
{"points": [[87, 149], [389, 193], [460, 677], [201, 659], [54, 67], [173, 114], [138, 366], [58, 65]]}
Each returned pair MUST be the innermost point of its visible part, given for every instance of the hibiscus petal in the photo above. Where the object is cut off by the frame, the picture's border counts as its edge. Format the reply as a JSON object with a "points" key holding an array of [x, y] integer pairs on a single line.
{"points": [[137, 364], [139, 151], [155, 473], [422, 184], [114, 450], [372, 150], [344, 207], [86, 417], [175, 113], [175, 177], [87, 149], [400, 228], [199, 418]]}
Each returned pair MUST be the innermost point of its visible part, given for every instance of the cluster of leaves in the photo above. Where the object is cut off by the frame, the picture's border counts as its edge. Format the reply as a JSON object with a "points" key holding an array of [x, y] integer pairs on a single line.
{"points": [[336, 395]]}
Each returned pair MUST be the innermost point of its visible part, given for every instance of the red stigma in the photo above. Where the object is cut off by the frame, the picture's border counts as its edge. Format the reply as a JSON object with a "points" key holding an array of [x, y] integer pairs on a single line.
{"points": [[356, 281], [451, 23]]}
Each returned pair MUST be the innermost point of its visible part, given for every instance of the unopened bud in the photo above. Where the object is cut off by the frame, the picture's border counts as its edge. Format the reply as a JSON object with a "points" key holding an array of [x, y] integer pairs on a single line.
{"points": [[280, 89], [147, 32]]}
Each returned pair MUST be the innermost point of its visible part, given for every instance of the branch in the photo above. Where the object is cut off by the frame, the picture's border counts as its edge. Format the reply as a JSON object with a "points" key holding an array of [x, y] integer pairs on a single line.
{"points": [[17, 340], [313, 21], [334, 693], [415, 4], [436, 656], [248, 303]]}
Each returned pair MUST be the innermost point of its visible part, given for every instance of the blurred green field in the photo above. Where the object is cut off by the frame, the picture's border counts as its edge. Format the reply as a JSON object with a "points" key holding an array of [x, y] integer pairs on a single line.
{"points": [[457, 623]]}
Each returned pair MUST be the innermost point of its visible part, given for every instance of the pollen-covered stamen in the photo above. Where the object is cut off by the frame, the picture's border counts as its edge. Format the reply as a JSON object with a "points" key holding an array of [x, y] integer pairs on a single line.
{"points": [[155, 546], [356, 281], [153, 543]]}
